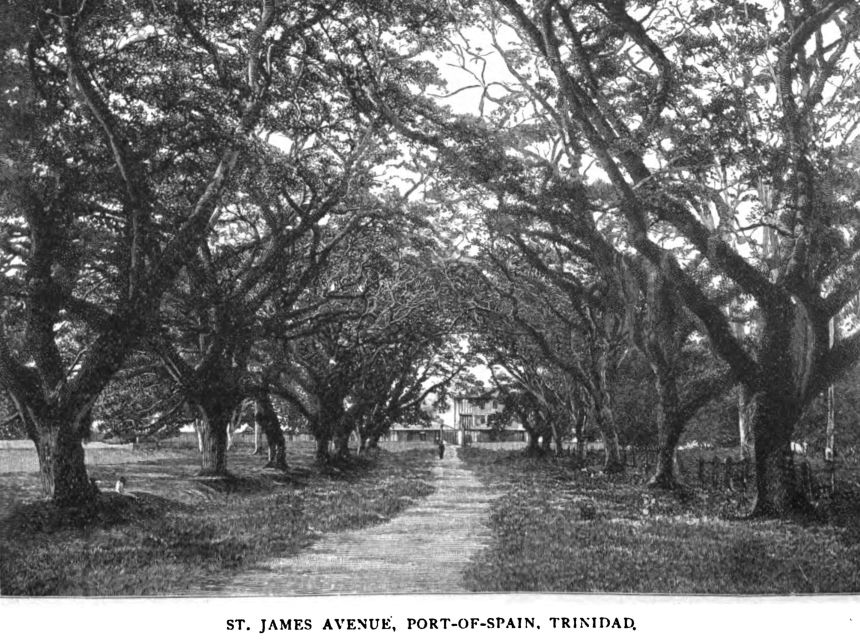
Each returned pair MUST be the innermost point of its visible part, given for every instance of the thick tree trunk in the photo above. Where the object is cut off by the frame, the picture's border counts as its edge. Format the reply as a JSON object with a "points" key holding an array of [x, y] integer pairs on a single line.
{"points": [[214, 438], [266, 421], [60, 451], [322, 456], [341, 446], [665, 474], [546, 443], [62, 466], [533, 447], [602, 401], [772, 421], [670, 425]]}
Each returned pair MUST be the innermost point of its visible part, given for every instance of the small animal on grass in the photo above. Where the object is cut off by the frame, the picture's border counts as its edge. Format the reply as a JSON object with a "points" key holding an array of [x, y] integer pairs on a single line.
{"points": [[120, 485]]}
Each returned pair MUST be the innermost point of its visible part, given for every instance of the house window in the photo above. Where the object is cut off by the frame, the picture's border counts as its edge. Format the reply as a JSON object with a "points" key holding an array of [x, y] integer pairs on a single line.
{"points": [[495, 405]]}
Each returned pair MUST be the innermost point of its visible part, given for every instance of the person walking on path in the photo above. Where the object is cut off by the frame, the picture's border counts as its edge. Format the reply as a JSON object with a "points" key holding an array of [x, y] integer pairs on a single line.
{"points": [[441, 450]]}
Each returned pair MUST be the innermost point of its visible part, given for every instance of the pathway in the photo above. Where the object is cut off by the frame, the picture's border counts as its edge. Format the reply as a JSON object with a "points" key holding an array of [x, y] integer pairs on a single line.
{"points": [[425, 549]]}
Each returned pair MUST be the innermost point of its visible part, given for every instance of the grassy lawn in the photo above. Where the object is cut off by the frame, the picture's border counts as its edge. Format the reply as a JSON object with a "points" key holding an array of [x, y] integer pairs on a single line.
{"points": [[560, 529], [174, 532]]}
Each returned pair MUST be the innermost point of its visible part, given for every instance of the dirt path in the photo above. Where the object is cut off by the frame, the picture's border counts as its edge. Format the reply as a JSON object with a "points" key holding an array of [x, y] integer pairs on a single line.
{"points": [[425, 549]]}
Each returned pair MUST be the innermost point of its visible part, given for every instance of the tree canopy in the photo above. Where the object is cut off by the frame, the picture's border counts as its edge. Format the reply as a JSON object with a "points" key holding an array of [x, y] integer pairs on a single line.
{"points": [[339, 204]]}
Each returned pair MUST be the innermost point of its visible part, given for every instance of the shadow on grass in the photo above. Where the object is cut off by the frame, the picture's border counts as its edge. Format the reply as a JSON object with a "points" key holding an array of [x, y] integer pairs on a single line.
{"points": [[109, 510], [173, 532], [561, 528]]}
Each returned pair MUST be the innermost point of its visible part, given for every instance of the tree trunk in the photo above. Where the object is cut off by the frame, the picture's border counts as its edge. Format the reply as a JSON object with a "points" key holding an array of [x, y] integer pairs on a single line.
{"points": [[830, 428], [341, 446], [198, 429], [579, 433], [744, 430], [62, 467], [322, 456], [670, 425], [60, 452], [258, 438], [233, 425], [546, 443], [612, 462], [772, 421], [532, 448], [557, 439], [266, 420], [602, 401], [665, 476], [214, 438]]}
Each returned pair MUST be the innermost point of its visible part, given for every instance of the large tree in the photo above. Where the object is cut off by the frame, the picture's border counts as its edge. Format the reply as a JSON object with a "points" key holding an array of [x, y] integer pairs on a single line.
{"points": [[779, 140], [723, 133], [132, 119]]}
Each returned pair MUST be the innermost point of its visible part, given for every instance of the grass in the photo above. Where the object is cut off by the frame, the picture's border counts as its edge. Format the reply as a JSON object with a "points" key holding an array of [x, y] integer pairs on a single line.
{"points": [[557, 528], [175, 533]]}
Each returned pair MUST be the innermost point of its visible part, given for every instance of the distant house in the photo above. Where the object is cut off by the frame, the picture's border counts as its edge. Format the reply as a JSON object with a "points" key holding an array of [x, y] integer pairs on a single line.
{"points": [[411, 433], [472, 420]]}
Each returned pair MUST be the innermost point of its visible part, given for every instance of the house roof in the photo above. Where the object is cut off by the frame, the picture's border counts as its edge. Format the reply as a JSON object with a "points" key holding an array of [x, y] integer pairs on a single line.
{"points": [[488, 396]]}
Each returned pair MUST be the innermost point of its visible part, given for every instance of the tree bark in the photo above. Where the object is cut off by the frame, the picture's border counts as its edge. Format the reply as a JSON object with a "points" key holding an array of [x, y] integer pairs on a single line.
{"points": [[602, 400], [612, 462], [62, 466], [777, 491], [60, 451], [830, 428], [258, 438], [322, 457], [266, 420], [216, 420], [341, 446], [670, 425]]}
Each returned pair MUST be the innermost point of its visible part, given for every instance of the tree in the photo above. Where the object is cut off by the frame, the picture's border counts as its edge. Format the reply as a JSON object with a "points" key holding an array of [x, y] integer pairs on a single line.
{"points": [[551, 311], [110, 184], [382, 345], [723, 133], [800, 283], [301, 205]]}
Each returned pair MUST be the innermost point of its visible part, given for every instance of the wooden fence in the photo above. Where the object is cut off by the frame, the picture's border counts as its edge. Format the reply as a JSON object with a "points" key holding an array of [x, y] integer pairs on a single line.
{"points": [[736, 474]]}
